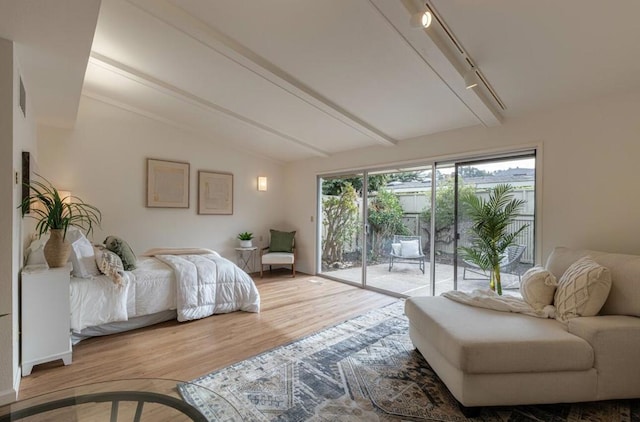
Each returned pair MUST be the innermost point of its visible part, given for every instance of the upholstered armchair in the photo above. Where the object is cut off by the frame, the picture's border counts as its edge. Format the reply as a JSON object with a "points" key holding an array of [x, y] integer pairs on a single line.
{"points": [[281, 251]]}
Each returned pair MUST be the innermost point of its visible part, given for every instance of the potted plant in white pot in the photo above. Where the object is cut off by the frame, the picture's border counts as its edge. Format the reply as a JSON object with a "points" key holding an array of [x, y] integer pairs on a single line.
{"points": [[245, 239], [490, 220], [55, 214]]}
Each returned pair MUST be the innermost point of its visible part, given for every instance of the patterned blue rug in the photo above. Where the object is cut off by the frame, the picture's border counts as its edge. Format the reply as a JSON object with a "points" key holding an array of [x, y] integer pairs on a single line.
{"points": [[364, 369]]}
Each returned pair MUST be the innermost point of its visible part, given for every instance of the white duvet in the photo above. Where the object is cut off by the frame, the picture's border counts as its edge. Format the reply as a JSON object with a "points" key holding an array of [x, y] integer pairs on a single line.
{"points": [[209, 284], [195, 285]]}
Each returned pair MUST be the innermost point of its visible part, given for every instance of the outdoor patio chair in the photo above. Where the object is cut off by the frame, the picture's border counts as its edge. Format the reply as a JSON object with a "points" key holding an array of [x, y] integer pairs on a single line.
{"points": [[509, 263], [407, 249]]}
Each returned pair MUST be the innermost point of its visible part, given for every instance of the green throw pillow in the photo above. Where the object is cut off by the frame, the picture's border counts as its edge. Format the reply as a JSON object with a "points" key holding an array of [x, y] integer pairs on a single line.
{"points": [[281, 241], [123, 250]]}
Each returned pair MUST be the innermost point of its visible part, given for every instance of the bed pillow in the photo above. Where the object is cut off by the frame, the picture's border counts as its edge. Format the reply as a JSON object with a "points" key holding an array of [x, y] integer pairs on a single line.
{"points": [[410, 248], [34, 254], [281, 241], [123, 250], [538, 287], [110, 265], [82, 255], [582, 290]]}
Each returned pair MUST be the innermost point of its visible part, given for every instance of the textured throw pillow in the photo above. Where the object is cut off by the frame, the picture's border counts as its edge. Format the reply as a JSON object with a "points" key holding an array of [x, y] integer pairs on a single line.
{"points": [[123, 250], [409, 248], [538, 287], [110, 265], [281, 241], [582, 289]]}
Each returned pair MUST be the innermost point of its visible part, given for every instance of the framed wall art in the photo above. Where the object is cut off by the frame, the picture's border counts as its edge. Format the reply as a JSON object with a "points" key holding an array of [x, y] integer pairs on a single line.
{"points": [[215, 193], [167, 184]]}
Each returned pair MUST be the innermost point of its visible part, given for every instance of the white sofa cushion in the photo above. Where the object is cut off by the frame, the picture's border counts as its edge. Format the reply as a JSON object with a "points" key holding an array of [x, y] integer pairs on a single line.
{"points": [[614, 339], [582, 289], [538, 286], [624, 297], [477, 340]]}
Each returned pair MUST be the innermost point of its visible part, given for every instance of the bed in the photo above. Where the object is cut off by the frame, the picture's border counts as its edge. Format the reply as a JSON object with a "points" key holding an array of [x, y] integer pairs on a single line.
{"points": [[183, 284]]}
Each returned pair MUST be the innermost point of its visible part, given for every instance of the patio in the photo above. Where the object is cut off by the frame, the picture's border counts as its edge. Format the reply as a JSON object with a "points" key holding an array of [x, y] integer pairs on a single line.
{"points": [[407, 280]]}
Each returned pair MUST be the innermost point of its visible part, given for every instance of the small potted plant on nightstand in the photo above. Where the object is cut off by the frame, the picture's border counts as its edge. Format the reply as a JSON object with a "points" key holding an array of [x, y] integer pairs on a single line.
{"points": [[245, 239]]}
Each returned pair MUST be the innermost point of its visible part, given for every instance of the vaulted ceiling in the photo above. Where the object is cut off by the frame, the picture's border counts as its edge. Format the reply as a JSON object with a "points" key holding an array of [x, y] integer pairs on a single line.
{"points": [[291, 79]]}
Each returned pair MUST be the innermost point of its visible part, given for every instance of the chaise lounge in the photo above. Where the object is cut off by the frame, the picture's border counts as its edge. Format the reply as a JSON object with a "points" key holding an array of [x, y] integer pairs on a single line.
{"points": [[487, 357]]}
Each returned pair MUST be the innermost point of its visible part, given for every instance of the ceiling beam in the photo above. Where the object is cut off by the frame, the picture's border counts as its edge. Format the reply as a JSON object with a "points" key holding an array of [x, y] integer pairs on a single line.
{"points": [[214, 39], [149, 81]]}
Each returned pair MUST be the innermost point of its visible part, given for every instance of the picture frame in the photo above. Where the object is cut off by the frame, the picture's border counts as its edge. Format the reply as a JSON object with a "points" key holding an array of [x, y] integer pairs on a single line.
{"points": [[215, 193], [167, 184]]}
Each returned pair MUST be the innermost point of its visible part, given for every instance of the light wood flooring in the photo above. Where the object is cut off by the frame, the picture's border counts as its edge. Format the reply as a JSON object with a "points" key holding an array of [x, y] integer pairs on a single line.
{"points": [[291, 308]]}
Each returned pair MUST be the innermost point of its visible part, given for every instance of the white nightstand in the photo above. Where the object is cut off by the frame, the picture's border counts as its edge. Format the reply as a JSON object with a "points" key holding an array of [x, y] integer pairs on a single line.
{"points": [[246, 258], [45, 311]]}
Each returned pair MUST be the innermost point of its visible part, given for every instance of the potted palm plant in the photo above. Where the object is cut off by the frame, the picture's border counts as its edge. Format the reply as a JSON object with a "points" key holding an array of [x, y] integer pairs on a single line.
{"points": [[55, 214], [245, 239], [490, 221]]}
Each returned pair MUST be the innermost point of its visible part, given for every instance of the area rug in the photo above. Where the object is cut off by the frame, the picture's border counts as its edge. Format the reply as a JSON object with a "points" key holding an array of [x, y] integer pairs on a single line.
{"points": [[364, 369]]}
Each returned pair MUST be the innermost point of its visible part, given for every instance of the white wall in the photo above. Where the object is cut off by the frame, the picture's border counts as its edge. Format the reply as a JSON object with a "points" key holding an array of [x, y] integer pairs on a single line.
{"points": [[589, 169], [17, 135], [103, 161]]}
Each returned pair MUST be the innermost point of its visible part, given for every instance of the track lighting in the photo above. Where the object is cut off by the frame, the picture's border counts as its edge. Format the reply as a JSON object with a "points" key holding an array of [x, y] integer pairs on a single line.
{"points": [[421, 19], [471, 78]]}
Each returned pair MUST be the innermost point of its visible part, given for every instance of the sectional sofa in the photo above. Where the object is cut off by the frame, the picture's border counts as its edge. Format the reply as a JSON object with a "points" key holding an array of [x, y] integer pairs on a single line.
{"points": [[487, 357]]}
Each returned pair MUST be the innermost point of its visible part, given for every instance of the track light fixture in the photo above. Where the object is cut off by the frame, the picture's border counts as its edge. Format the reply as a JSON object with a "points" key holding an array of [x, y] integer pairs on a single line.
{"points": [[471, 78], [421, 19]]}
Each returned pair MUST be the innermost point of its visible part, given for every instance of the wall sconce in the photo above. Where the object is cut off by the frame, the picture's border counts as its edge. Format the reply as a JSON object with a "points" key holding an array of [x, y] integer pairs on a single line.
{"points": [[65, 195], [262, 183]]}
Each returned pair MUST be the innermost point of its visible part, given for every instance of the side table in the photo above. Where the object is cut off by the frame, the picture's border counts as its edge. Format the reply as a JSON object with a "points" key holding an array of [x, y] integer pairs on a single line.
{"points": [[246, 258]]}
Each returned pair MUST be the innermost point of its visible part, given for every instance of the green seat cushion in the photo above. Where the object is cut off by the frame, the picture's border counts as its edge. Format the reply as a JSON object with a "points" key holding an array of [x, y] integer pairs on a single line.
{"points": [[281, 241], [123, 250]]}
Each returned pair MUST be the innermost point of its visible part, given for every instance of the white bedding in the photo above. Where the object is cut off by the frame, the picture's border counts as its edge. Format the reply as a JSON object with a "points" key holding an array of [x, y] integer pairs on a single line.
{"points": [[152, 288]]}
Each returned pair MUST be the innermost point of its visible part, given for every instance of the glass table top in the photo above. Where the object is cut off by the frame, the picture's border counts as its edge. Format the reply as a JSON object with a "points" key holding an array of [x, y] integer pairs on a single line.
{"points": [[142, 399]]}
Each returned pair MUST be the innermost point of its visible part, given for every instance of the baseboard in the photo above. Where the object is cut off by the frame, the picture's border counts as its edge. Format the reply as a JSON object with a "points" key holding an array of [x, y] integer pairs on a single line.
{"points": [[8, 396], [11, 395], [17, 378]]}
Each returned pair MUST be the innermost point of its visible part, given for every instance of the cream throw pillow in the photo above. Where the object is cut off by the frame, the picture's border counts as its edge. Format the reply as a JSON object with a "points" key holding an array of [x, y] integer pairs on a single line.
{"points": [[410, 248], [111, 265], [538, 287], [582, 289]]}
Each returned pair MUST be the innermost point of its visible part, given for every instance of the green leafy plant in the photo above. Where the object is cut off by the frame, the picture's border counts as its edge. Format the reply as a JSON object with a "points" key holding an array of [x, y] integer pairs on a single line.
{"points": [[245, 236], [385, 219], [340, 222], [54, 212], [489, 230]]}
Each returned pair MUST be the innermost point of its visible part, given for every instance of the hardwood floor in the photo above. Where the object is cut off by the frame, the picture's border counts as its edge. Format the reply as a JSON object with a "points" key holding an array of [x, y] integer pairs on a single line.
{"points": [[290, 309]]}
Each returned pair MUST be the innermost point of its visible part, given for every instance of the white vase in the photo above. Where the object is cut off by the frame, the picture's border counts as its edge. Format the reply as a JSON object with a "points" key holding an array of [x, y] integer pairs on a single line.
{"points": [[245, 243]]}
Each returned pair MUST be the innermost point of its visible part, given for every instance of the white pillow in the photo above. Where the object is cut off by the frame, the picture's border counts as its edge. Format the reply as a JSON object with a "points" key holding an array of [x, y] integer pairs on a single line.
{"points": [[538, 287], [83, 257], [34, 255], [409, 248], [395, 248], [582, 289]]}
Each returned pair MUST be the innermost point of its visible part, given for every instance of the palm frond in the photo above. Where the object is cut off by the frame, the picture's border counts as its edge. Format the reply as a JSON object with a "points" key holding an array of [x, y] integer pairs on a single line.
{"points": [[52, 211]]}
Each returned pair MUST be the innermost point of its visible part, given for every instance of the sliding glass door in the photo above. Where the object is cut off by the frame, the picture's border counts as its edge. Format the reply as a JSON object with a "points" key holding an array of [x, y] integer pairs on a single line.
{"points": [[341, 227], [399, 231]]}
